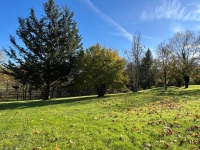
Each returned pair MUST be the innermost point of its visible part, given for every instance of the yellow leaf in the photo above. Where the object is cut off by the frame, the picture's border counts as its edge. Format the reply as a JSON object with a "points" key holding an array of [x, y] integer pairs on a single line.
{"points": [[56, 147]]}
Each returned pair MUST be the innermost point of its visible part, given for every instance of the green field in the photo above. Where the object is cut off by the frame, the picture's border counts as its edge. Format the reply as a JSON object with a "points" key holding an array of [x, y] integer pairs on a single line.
{"points": [[150, 119]]}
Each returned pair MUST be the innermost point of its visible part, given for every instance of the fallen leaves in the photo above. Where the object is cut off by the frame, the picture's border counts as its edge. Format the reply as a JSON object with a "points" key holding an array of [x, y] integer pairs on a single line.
{"points": [[166, 145], [181, 142], [148, 145], [168, 131], [195, 134], [56, 147], [169, 121], [73, 125], [70, 141], [37, 148]]}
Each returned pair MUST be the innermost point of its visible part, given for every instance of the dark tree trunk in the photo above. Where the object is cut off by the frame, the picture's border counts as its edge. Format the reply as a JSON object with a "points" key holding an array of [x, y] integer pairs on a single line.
{"points": [[46, 92], [30, 92], [186, 79], [149, 83], [134, 89], [101, 90], [165, 79], [179, 81], [46, 95]]}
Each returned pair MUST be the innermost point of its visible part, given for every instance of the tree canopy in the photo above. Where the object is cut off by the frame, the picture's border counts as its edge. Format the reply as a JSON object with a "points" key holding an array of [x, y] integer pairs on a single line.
{"points": [[52, 47], [101, 69], [185, 46]]}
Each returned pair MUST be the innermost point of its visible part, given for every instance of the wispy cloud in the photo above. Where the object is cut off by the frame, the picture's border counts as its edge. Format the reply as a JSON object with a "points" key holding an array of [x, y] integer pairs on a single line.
{"points": [[172, 9], [149, 37], [122, 31]]}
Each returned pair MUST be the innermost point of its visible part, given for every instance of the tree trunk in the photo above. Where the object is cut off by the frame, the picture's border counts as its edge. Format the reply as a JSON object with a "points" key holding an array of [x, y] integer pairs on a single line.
{"points": [[30, 92], [179, 81], [46, 92], [165, 79], [186, 79], [46, 95], [101, 90]]}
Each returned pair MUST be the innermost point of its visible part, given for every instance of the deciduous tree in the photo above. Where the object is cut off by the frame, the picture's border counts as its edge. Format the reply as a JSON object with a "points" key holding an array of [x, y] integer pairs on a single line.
{"points": [[101, 69], [135, 55], [185, 46], [164, 55]]}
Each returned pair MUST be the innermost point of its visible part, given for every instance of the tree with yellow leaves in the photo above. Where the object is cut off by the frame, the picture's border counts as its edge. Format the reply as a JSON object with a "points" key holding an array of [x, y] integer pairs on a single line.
{"points": [[5, 80], [101, 69]]}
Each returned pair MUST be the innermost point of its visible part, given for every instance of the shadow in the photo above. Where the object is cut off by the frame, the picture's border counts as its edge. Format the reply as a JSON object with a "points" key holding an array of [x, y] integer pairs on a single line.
{"points": [[179, 92], [39, 103], [137, 98]]}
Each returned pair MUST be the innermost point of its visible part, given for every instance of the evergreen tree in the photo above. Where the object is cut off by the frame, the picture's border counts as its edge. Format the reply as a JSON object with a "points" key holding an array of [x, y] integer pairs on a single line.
{"points": [[145, 70], [52, 49]]}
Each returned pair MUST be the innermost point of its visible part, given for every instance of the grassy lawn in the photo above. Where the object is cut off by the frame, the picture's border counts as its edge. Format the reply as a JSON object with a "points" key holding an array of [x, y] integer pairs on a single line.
{"points": [[150, 119]]}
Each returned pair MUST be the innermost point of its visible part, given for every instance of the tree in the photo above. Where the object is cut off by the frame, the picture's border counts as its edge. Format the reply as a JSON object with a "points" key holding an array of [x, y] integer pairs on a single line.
{"points": [[146, 75], [101, 69], [174, 75], [134, 57], [130, 72], [156, 73], [5, 80], [2, 57], [164, 56], [51, 52], [185, 46]]}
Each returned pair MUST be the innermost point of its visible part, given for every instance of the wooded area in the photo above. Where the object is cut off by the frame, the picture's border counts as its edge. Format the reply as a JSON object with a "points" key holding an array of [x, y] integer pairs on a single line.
{"points": [[54, 60]]}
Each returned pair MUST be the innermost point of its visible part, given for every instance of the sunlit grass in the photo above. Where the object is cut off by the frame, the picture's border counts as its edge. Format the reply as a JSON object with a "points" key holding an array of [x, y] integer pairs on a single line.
{"points": [[150, 119]]}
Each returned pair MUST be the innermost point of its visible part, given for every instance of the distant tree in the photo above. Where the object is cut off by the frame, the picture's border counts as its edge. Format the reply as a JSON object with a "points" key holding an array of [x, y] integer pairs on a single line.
{"points": [[174, 75], [51, 52], [196, 78], [135, 55], [185, 47], [101, 69], [2, 57], [130, 72], [5, 80], [146, 74], [164, 54], [156, 73]]}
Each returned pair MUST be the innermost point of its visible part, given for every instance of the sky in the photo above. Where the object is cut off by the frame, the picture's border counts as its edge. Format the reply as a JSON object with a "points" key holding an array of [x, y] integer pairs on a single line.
{"points": [[111, 23]]}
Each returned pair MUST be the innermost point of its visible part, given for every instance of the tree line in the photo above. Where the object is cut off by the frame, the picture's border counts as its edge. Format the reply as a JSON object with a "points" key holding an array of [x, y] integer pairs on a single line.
{"points": [[176, 62], [53, 57]]}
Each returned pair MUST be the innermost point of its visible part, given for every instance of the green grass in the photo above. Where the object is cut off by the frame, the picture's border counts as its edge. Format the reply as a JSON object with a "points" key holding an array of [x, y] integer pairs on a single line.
{"points": [[150, 119]]}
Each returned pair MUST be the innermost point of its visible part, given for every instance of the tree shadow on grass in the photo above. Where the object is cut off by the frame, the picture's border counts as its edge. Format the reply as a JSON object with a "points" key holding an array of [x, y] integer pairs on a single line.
{"points": [[179, 92], [39, 103], [155, 95]]}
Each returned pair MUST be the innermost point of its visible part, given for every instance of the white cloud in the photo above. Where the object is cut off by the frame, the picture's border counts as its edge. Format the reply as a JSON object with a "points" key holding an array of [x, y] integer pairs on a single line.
{"points": [[122, 31], [172, 9]]}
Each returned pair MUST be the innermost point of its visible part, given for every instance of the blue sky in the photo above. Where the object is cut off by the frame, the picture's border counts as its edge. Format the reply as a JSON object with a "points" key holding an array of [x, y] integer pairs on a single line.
{"points": [[112, 22]]}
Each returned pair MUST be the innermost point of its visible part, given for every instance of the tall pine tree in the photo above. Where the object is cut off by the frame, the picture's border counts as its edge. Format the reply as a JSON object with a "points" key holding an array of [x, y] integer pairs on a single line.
{"points": [[51, 52], [145, 70]]}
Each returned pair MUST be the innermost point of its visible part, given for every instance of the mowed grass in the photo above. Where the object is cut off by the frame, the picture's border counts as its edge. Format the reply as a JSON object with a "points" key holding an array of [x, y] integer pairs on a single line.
{"points": [[150, 119]]}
